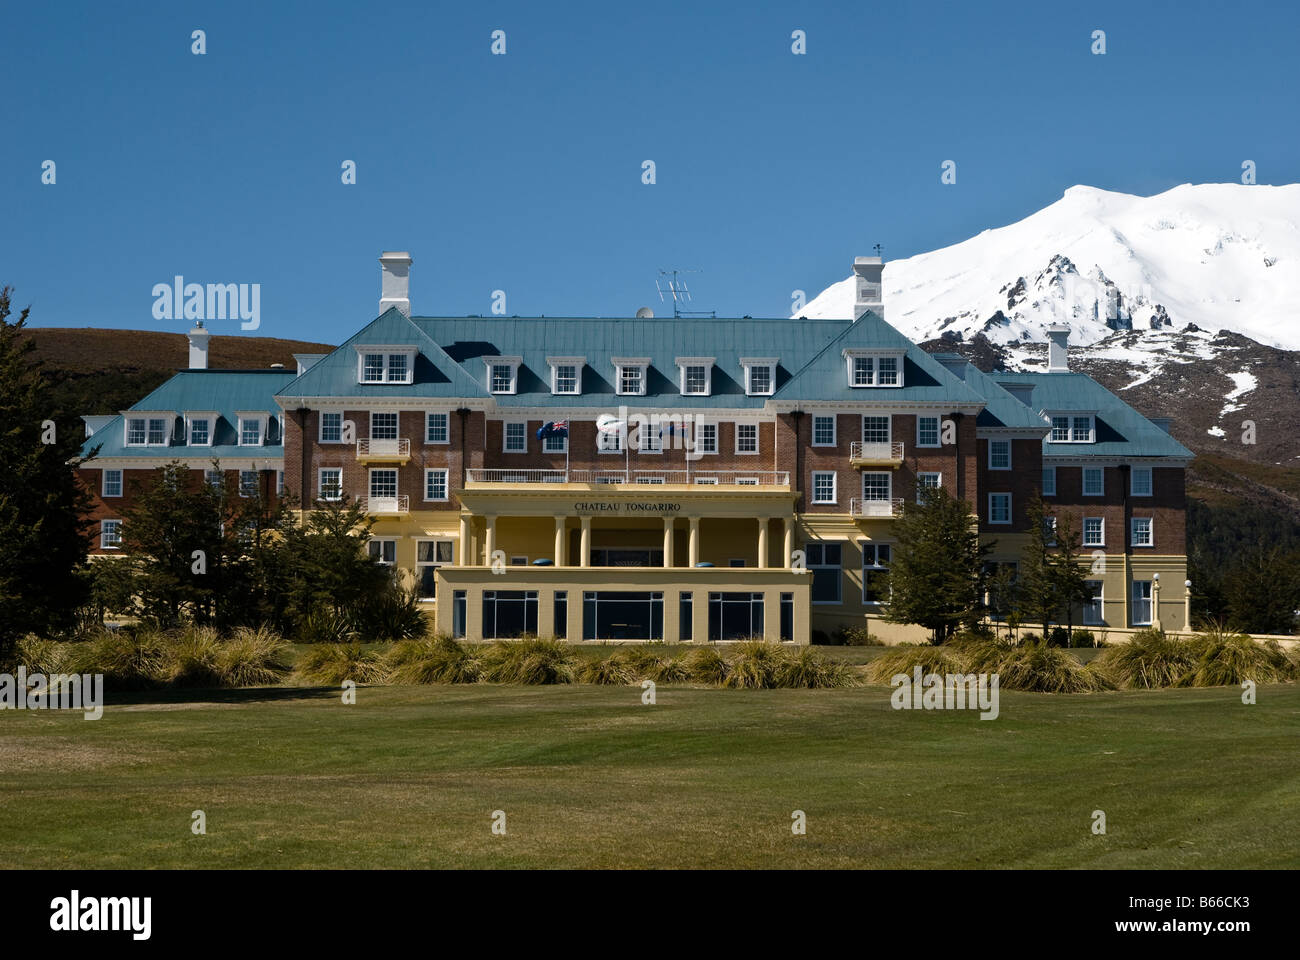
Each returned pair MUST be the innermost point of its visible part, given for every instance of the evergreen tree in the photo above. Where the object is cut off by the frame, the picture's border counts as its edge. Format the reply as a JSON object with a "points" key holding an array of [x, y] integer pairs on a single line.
{"points": [[936, 576], [44, 538], [1262, 593], [1069, 573], [1039, 579]]}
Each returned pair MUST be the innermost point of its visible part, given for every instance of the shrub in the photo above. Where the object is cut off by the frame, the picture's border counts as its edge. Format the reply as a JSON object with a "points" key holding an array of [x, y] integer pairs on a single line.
{"points": [[640, 660], [610, 670], [1149, 660], [1083, 638], [980, 652], [128, 659], [323, 625], [857, 637], [190, 658], [391, 614], [668, 670], [533, 661], [1041, 668], [1059, 637], [41, 656], [708, 666], [1226, 659], [930, 659], [253, 658], [332, 663], [755, 665], [437, 659], [811, 669]]}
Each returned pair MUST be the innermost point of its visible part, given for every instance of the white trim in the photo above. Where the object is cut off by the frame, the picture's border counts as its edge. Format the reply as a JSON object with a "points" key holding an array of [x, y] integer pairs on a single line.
{"points": [[834, 429], [446, 415], [1071, 415], [446, 484], [1046, 492], [505, 435], [1151, 481], [757, 438], [250, 416], [209, 416], [1083, 482], [513, 363], [927, 473], [577, 363], [320, 484], [991, 442], [103, 483], [938, 431], [834, 486], [1151, 531], [749, 364], [875, 355], [683, 363], [999, 523], [630, 363], [320, 426], [889, 427], [1083, 532], [387, 351], [103, 545]]}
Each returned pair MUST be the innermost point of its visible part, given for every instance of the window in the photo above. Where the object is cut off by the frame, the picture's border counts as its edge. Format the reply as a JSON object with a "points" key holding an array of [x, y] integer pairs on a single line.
{"points": [[560, 611], [1060, 429], [1141, 611], [648, 436], [1093, 606], [135, 432], [874, 370], [823, 483], [630, 376], [248, 483], [435, 428], [515, 434], [1094, 532], [250, 432], [696, 376], [927, 481], [383, 484], [685, 616], [875, 429], [331, 428], [216, 480], [609, 441], [1094, 481], [1049, 531], [747, 438], [887, 372], [1049, 481], [1141, 482], [503, 377], [398, 368], [706, 438], [383, 426], [875, 563], [999, 454], [1081, 431], [385, 551], [927, 431], [760, 379], [429, 556], [200, 432], [384, 367], [158, 432], [787, 617], [1073, 429], [279, 483], [864, 371], [330, 483], [566, 378], [735, 616], [736, 562], [1143, 535], [372, 368], [555, 442], [110, 534], [999, 508], [823, 561], [823, 431], [112, 483], [876, 486], [435, 484]]}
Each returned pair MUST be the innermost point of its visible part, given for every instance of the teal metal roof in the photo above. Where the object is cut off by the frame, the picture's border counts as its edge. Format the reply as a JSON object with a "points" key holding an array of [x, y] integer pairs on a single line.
{"points": [[224, 392], [1002, 410], [1121, 430]]}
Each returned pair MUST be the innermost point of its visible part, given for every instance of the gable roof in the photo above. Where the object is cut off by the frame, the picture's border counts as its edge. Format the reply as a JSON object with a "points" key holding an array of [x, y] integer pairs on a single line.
{"points": [[1002, 410]]}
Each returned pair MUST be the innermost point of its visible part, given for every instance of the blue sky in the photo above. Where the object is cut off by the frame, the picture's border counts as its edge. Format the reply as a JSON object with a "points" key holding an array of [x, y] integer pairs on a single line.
{"points": [[523, 172]]}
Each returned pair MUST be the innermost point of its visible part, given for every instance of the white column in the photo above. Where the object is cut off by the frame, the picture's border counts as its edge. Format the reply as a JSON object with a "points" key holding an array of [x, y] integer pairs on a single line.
{"points": [[762, 542], [1187, 605], [788, 524], [693, 555], [464, 541], [668, 541], [490, 539], [1155, 602], [559, 541], [585, 560]]}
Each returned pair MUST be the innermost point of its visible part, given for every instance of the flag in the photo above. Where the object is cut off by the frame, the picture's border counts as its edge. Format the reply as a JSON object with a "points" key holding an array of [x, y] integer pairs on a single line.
{"points": [[556, 428]]}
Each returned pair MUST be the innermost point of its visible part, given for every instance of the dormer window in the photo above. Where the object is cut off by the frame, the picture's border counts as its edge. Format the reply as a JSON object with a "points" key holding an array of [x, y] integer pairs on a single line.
{"points": [[503, 374], [199, 428], [252, 428], [695, 376], [385, 364], [867, 368], [566, 374], [1073, 428], [148, 431], [760, 375], [630, 375]]}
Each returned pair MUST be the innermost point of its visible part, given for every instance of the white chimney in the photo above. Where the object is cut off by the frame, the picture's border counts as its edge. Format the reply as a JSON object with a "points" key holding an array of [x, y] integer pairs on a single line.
{"points": [[198, 346], [395, 282], [1057, 351], [868, 287]]}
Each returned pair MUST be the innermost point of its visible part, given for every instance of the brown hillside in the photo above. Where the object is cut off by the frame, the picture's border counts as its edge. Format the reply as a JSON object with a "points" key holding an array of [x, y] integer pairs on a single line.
{"points": [[87, 350]]}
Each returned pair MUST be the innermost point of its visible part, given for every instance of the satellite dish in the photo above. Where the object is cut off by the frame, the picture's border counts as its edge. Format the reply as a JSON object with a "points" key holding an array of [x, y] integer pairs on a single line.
{"points": [[645, 313]]}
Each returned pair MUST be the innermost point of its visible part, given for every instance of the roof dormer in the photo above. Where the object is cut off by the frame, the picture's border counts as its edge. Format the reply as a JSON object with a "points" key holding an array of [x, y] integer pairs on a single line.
{"points": [[874, 367], [503, 374], [760, 375], [695, 376], [630, 374], [566, 374], [379, 363]]}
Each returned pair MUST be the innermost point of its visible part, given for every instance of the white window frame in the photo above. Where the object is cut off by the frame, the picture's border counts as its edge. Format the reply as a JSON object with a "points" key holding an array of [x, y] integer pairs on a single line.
{"points": [[889, 485], [490, 363], [749, 365], [420, 565], [256, 486], [247, 418], [505, 435], [1135, 598], [320, 484], [1150, 523], [446, 427], [992, 514], [1083, 482], [104, 543], [889, 427], [683, 366], [834, 430], [208, 419], [397, 423], [1100, 601], [446, 484], [938, 432], [1049, 490], [1083, 532], [148, 419], [370, 482], [380, 558], [320, 426], [872, 550], [577, 363], [629, 363], [699, 437], [1070, 418], [938, 485], [563, 440], [387, 353], [757, 438], [875, 357], [1151, 481], [103, 485], [617, 437], [823, 474], [993, 442]]}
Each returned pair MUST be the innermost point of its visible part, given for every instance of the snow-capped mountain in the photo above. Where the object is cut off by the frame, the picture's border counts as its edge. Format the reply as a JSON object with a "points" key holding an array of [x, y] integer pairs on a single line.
{"points": [[1217, 256]]}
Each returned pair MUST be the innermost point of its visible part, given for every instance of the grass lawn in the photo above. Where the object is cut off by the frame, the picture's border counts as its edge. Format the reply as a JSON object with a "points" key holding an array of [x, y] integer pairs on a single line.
{"points": [[589, 777]]}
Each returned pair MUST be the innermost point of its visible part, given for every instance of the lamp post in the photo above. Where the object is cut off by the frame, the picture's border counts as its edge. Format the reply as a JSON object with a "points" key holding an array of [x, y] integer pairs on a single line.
{"points": [[1155, 601], [1187, 605]]}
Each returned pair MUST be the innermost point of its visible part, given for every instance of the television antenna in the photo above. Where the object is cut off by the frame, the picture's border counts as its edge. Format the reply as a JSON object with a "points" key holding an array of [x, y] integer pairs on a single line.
{"points": [[880, 251], [671, 285]]}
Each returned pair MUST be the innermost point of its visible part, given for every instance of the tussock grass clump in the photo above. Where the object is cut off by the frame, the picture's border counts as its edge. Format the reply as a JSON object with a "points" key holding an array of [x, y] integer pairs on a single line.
{"points": [[981, 652], [1226, 659], [190, 658], [1150, 660], [253, 657], [667, 670], [755, 665], [432, 660], [128, 659], [531, 662], [1040, 668], [329, 664], [323, 625], [811, 669], [612, 670], [906, 659], [41, 656], [708, 666]]}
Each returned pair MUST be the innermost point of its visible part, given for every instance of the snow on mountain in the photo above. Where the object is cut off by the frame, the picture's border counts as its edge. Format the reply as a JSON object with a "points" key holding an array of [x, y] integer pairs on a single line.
{"points": [[1216, 256]]}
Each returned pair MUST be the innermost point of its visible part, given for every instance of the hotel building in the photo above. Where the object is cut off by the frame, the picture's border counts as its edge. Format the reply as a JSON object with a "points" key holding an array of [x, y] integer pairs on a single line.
{"points": [[710, 478]]}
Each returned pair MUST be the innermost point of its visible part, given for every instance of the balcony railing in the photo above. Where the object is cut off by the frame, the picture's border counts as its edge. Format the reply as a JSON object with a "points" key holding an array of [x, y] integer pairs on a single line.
{"points": [[398, 448], [739, 478], [875, 508], [378, 506], [863, 452]]}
